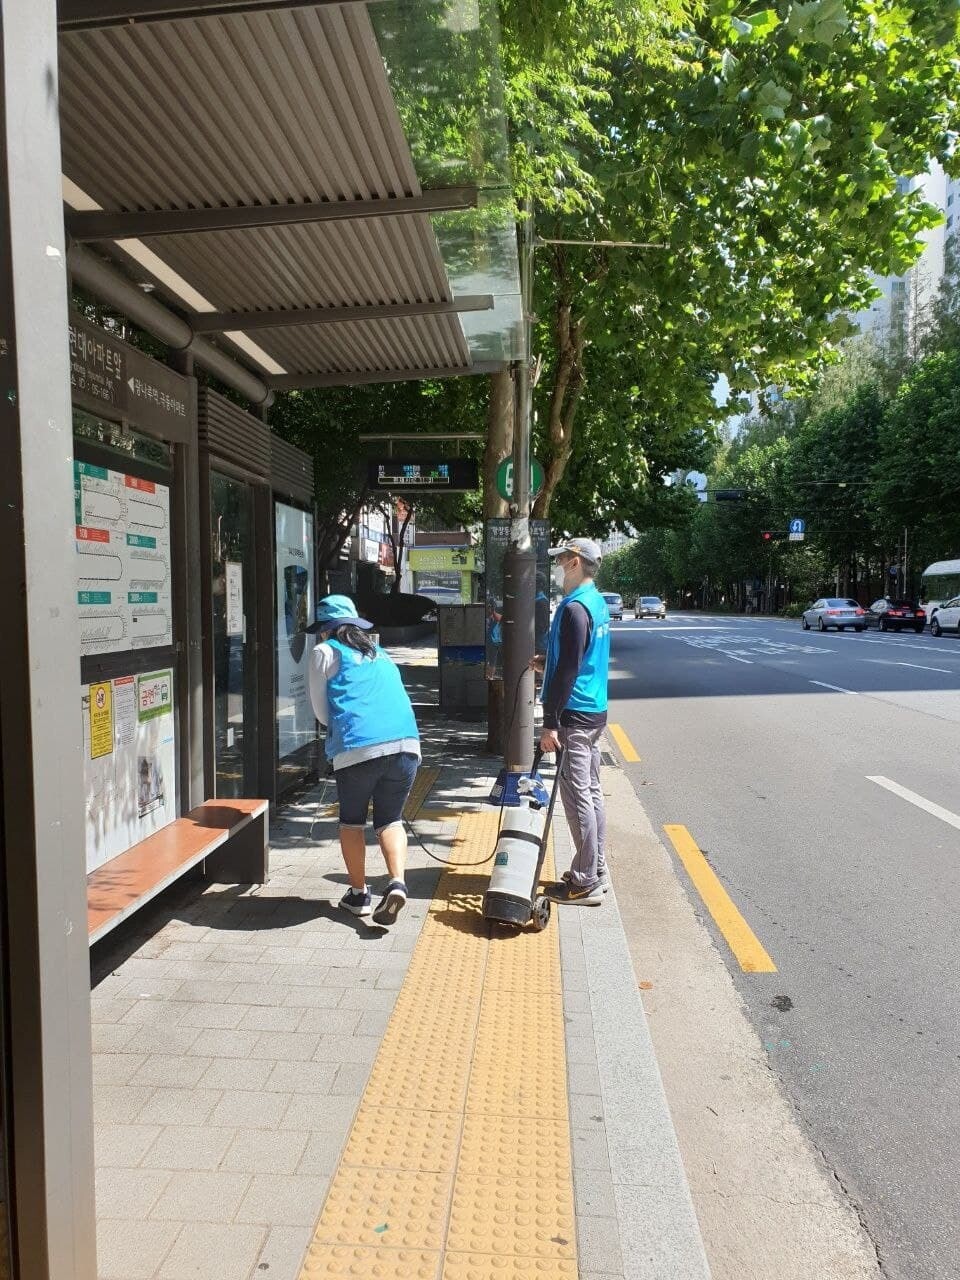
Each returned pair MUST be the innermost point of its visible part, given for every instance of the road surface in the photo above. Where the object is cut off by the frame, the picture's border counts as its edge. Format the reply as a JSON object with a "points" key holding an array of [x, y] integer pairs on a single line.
{"points": [[820, 777]]}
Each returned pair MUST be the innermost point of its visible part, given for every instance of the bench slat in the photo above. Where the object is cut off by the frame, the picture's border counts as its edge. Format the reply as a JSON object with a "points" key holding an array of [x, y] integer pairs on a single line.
{"points": [[131, 879]]}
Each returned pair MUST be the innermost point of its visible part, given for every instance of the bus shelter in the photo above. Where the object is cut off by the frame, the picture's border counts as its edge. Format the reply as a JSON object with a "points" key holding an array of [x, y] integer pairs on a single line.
{"points": [[267, 195]]}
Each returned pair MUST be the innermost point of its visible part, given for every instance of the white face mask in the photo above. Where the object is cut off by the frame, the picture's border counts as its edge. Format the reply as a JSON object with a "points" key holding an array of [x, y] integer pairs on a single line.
{"points": [[559, 575]]}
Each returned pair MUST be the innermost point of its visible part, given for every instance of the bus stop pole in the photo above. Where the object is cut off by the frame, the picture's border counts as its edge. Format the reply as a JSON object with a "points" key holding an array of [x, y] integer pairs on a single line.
{"points": [[520, 562]]}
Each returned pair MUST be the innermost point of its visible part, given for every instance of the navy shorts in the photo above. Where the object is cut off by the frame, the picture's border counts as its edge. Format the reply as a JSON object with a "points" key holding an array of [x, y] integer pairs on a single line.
{"points": [[386, 781]]}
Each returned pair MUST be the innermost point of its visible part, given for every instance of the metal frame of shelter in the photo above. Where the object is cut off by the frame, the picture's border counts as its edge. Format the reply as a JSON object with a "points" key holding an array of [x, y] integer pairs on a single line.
{"points": [[243, 179]]}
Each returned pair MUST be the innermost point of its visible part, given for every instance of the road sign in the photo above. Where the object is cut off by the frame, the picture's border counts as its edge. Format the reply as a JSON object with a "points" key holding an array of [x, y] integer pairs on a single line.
{"points": [[505, 478], [798, 530]]}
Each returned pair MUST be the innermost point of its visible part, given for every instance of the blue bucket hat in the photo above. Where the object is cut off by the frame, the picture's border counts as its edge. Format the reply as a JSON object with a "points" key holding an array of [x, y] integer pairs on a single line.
{"points": [[336, 611]]}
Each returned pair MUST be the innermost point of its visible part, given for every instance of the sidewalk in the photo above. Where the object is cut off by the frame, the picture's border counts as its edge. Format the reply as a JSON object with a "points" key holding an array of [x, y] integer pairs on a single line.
{"points": [[283, 1091]]}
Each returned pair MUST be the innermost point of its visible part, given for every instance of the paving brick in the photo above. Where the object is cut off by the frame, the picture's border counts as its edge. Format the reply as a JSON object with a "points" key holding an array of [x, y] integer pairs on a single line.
{"points": [[586, 1110], [190, 951], [168, 1041], [351, 1079], [236, 1073], [149, 988], [583, 1077], [390, 980], [129, 1193], [263, 993], [116, 1068], [598, 1244], [270, 1018], [186, 1147], [171, 1070], [112, 1037], [301, 975], [250, 1109], [319, 1112], [330, 1021], [235, 953], [286, 1046], [212, 1017], [368, 997], [191, 1196], [123, 1254], [593, 1192], [282, 1254], [266, 1151], [341, 1049], [207, 1251], [154, 1013], [249, 970], [226, 1044], [123, 1146], [105, 1011], [200, 970], [374, 1022], [278, 1200], [322, 1154], [301, 1077], [199, 991], [179, 1106], [120, 1103]]}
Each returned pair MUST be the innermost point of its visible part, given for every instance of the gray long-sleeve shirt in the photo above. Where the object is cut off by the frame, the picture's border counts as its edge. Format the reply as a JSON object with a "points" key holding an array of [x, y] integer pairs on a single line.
{"points": [[574, 638]]}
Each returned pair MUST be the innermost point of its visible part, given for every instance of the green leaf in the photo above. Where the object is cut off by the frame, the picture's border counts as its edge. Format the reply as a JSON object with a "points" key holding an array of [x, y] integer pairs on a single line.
{"points": [[772, 99]]}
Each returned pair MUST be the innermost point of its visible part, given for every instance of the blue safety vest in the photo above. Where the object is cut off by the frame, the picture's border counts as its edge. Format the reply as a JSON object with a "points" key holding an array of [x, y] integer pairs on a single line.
{"points": [[368, 703], [590, 690]]}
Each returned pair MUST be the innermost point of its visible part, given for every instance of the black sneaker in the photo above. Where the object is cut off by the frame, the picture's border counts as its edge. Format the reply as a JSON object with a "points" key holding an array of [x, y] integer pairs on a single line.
{"points": [[358, 902], [569, 893], [391, 904], [604, 879]]}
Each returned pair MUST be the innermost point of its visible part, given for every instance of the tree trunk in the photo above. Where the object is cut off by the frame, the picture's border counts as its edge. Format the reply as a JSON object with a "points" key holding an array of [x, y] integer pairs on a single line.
{"points": [[568, 384]]}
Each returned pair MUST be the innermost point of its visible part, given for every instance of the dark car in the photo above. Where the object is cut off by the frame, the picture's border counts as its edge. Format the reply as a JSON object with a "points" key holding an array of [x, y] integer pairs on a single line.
{"points": [[614, 604], [894, 615]]}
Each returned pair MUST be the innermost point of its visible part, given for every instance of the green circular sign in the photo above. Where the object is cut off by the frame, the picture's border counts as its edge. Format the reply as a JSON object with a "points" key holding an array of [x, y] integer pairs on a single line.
{"points": [[505, 478]]}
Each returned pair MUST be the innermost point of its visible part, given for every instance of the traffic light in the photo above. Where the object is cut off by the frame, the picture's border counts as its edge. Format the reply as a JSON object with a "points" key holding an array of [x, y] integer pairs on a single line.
{"points": [[728, 495], [767, 535]]}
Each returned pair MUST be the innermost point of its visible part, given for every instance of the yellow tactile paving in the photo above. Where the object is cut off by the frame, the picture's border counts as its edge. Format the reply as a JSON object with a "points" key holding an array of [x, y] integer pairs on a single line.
{"points": [[336, 1261], [422, 786], [386, 1138], [458, 1164], [480, 1266]]}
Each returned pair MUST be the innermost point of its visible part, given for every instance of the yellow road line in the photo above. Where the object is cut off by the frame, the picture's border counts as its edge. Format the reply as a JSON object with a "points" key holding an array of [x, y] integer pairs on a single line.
{"points": [[458, 1164], [627, 749], [741, 939]]}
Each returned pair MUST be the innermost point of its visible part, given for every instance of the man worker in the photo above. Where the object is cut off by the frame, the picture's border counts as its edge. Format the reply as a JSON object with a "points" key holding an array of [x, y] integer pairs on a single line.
{"points": [[575, 669]]}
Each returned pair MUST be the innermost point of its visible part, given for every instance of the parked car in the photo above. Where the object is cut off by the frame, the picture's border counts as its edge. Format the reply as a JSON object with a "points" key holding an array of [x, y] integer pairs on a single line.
{"points": [[614, 605], [946, 618], [830, 612], [650, 607], [894, 615]]}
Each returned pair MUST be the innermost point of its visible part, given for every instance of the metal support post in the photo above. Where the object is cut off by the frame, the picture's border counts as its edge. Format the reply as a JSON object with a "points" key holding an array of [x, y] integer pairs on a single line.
{"points": [[520, 562], [48, 1069]]}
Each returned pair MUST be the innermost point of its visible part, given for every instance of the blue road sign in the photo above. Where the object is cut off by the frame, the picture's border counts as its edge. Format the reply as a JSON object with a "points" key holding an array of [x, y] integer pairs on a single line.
{"points": [[798, 529]]}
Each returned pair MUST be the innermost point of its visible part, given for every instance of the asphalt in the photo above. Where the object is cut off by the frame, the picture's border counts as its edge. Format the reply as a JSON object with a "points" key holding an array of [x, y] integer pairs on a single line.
{"points": [[852, 888]]}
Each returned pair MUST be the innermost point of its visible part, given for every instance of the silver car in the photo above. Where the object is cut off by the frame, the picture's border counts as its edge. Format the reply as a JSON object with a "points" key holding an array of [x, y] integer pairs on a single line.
{"points": [[833, 612], [649, 607]]}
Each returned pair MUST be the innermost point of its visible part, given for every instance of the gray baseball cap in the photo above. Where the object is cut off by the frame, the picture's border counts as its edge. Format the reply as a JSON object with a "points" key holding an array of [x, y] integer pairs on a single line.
{"points": [[586, 548]]}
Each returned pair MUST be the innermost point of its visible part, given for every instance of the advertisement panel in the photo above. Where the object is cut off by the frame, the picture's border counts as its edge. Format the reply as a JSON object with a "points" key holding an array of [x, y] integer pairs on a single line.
{"points": [[496, 541], [129, 762], [296, 725]]}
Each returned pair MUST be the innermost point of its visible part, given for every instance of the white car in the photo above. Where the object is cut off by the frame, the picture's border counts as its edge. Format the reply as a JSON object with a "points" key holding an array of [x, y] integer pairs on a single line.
{"points": [[946, 617]]}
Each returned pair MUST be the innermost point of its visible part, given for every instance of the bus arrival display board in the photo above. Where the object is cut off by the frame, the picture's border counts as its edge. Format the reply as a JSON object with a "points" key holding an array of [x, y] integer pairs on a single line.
{"points": [[424, 476]]}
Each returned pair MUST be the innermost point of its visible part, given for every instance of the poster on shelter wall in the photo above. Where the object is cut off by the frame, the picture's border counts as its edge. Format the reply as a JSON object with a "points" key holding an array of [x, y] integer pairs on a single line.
{"points": [[496, 540], [130, 790], [296, 725]]}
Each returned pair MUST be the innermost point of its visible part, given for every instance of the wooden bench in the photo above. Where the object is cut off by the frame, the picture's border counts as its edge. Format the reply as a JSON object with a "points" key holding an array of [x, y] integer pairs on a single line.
{"points": [[229, 836]]}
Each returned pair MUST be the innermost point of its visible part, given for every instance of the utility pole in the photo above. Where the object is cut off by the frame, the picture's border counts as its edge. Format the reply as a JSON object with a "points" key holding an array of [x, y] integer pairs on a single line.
{"points": [[520, 561]]}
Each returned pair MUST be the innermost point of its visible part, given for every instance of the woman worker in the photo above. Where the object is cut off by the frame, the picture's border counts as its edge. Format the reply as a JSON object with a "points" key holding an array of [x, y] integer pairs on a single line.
{"points": [[373, 741]]}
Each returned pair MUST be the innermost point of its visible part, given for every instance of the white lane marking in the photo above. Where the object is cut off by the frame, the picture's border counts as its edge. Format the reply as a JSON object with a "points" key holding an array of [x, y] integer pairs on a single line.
{"points": [[891, 662], [911, 797], [699, 626], [835, 687], [736, 659]]}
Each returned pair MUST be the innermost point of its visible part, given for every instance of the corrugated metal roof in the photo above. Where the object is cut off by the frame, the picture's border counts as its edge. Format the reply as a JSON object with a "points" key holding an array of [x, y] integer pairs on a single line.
{"points": [[275, 107]]}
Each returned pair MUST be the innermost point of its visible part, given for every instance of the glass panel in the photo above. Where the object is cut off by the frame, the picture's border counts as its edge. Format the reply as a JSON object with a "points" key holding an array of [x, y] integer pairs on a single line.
{"points": [[296, 725], [234, 633], [441, 58], [120, 440]]}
